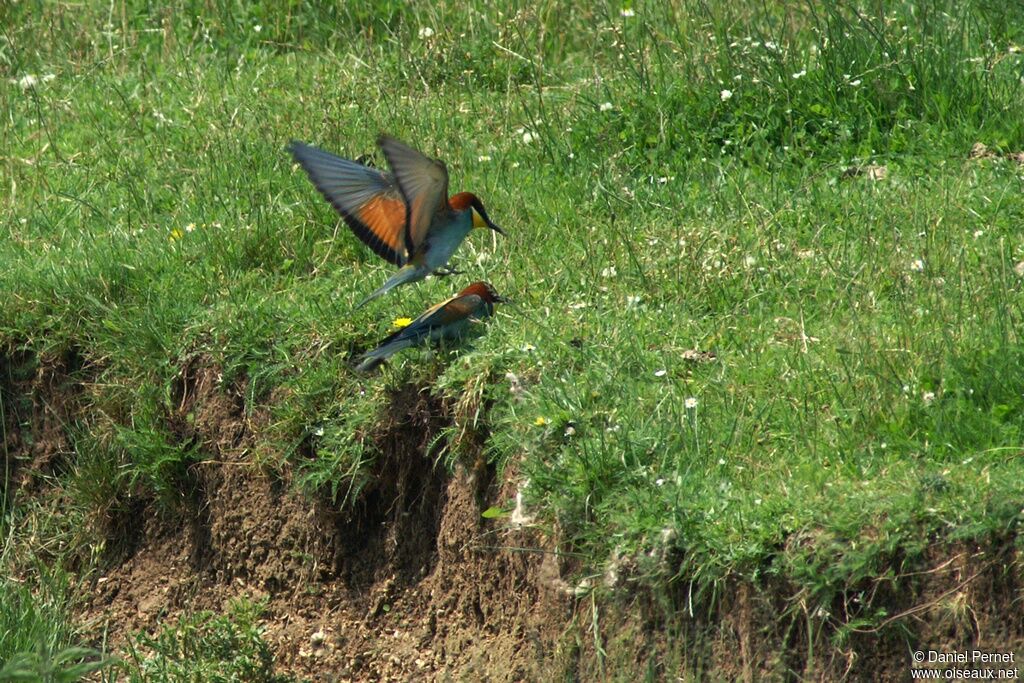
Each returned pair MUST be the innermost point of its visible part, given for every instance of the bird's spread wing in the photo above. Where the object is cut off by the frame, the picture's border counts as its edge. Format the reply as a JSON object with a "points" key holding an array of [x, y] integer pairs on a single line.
{"points": [[369, 200], [424, 185]]}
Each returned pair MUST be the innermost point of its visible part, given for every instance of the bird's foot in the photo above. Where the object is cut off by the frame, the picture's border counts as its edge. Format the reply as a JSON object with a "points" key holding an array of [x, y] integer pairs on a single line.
{"points": [[445, 272]]}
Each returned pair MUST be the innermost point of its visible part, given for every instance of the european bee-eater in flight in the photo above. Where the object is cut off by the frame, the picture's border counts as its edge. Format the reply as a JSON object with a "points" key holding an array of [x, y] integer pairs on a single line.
{"points": [[447, 320], [405, 216]]}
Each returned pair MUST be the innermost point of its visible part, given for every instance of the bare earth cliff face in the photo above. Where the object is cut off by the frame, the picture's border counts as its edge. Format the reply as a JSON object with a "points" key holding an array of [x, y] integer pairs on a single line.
{"points": [[412, 583], [399, 587]]}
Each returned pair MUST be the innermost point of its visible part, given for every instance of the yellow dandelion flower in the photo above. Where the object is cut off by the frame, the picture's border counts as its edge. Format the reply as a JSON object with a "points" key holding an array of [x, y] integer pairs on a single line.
{"points": [[402, 322], [176, 234], [540, 421]]}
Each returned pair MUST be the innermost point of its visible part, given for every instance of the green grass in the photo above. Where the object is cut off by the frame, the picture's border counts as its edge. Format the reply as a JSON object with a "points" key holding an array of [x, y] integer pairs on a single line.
{"points": [[864, 402], [37, 637], [205, 647]]}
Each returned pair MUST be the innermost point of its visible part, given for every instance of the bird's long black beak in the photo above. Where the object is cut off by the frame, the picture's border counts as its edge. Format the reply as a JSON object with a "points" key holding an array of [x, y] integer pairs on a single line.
{"points": [[482, 213], [493, 227]]}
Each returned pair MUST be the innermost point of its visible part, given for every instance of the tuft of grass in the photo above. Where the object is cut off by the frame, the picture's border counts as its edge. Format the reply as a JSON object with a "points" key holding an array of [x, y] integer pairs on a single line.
{"points": [[206, 647], [37, 637]]}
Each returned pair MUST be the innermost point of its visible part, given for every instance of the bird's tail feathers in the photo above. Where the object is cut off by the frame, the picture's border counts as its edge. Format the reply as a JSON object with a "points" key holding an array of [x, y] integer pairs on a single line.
{"points": [[370, 364], [407, 273], [371, 360]]}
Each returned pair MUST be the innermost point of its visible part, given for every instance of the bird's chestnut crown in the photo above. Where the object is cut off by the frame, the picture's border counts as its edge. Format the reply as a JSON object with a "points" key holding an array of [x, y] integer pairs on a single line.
{"points": [[484, 290]]}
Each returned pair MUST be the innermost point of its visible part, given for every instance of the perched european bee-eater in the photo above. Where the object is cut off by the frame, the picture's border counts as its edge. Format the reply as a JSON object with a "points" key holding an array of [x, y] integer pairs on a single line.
{"points": [[405, 216], [447, 320]]}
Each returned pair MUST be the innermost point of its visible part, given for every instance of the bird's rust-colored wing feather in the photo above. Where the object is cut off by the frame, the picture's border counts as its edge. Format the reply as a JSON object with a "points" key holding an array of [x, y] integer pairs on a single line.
{"points": [[424, 185], [456, 308], [448, 311], [383, 218], [369, 200]]}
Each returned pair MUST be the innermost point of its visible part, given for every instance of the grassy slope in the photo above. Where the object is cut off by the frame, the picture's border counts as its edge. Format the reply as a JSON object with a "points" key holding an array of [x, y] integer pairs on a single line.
{"points": [[865, 398]]}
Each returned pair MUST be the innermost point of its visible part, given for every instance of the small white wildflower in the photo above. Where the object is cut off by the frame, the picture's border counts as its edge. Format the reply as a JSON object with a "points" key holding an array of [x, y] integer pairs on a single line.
{"points": [[27, 81], [609, 272], [1019, 269], [257, 28], [800, 74], [770, 45], [660, 373], [632, 301], [757, 501], [854, 84], [529, 348], [738, 77], [606, 106], [528, 137], [426, 32], [515, 387], [515, 164], [659, 482], [319, 431], [750, 261], [190, 227], [725, 94], [884, 445], [483, 158], [691, 403], [917, 265], [906, 388], [978, 233], [721, 461], [570, 430], [928, 397], [627, 12]]}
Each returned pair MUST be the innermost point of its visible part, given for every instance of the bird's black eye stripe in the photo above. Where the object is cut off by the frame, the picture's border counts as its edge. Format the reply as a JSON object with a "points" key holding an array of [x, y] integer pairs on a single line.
{"points": [[479, 207]]}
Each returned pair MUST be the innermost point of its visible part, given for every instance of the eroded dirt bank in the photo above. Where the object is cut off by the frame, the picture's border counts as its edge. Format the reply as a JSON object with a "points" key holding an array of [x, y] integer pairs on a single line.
{"points": [[412, 583], [408, 583]]}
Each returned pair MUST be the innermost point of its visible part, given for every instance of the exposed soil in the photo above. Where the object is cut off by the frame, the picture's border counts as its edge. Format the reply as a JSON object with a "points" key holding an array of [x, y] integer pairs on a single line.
{"points": [[38, 399], [412, 583]]}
